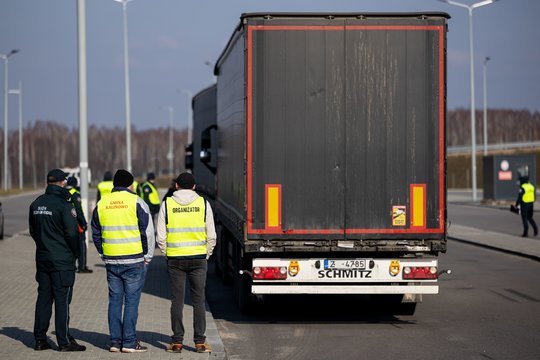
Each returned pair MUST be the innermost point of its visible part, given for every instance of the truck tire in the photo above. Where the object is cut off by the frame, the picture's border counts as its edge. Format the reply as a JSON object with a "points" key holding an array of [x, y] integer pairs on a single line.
{"points": [[406, 308], [393, 305], [224, 263], [245, 300]]}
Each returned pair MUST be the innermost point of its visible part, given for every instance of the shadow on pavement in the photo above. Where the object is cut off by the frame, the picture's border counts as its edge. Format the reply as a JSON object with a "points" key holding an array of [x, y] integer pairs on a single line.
{"points": [[157, 279], [298, 309], [101, 341], [24, 336]]}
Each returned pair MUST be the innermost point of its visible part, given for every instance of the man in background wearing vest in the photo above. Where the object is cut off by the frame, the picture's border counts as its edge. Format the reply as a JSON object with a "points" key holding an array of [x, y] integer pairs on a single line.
{"points": [[525, 200], [82, 225], [150, 195], [186, 234], [104, 187], [124, 237]]}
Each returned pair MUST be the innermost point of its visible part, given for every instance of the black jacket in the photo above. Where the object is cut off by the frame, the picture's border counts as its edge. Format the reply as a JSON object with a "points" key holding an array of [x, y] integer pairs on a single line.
{"points": [[53, 226], [76, 201]]}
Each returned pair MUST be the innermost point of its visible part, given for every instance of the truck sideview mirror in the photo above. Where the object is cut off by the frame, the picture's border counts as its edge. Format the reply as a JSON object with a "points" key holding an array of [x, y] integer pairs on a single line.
{"points": [[205, 156], [208, 146], [188, 159]]}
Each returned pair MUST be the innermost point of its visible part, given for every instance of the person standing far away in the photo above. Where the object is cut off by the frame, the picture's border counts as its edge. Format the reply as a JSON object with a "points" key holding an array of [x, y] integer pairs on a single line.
{"points": [[71, 186], [124, 238], [105, 187], [136, 187], [525, 200], [170, 190], [187, 235], [53, 226], [150, 195]]}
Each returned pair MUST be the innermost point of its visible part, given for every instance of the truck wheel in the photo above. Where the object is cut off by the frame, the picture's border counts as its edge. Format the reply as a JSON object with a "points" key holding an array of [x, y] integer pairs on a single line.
{"points": [[218, 252], [392, 305], [245, 300], [223, 255], [406, 308]]}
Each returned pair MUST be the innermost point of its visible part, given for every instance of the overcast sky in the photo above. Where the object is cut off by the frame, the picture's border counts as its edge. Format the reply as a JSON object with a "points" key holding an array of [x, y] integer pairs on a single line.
{"points": [[171, 40]]}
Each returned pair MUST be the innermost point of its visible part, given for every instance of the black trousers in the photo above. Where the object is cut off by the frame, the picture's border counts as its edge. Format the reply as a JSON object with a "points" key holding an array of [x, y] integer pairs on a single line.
{"points": [[81, 261], [527, 211], [195, 271], [54, 287]]}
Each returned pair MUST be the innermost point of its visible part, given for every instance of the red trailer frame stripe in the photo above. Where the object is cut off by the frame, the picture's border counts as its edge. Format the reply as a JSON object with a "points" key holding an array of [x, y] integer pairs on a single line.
{"points": [[249, 128]]}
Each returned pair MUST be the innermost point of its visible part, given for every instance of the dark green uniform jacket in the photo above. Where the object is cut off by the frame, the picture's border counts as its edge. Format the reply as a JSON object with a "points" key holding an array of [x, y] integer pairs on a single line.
{"points": [[76, 201], [53, 226]]}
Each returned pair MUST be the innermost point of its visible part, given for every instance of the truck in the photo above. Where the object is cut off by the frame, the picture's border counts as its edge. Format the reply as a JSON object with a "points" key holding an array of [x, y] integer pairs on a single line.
{"points": [[322, 149]]}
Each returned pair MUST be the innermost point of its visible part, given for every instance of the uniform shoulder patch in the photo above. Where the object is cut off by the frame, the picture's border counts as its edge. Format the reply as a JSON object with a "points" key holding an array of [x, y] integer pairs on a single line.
{"points": [[73, 212]]}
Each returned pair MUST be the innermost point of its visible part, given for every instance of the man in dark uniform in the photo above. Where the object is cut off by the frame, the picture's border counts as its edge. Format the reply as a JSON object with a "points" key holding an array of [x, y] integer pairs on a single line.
{"points": [[150, 196], [525, 200], [53, 226], [76, 201]]}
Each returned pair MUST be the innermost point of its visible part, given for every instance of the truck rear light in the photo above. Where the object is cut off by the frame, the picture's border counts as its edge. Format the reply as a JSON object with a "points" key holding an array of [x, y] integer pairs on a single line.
{"points": [[270, 273], [420, 272]]}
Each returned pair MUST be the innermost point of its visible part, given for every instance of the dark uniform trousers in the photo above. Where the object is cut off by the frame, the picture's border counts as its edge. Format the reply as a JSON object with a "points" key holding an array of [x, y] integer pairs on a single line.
{"points": [[527, 212], [54, 286], [81, 261]]}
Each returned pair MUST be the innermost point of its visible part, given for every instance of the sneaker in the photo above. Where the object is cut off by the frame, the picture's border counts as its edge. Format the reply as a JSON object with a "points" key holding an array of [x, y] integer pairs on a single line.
{"points": [[138, 348], [42, 345], [115, 348], [203, 348], [72, 346], [175, 347], [85, 271]]}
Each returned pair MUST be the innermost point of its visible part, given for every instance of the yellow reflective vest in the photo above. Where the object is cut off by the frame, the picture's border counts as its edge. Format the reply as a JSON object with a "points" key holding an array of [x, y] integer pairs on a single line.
{"points": [[105, 188], [153, 196], [528, 195], [135, 187], [186, 228], [117, 214]]}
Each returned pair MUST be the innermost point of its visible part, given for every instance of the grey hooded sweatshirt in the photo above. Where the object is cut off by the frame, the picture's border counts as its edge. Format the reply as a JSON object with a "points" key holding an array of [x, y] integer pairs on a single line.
{"points": [[186, 197]]}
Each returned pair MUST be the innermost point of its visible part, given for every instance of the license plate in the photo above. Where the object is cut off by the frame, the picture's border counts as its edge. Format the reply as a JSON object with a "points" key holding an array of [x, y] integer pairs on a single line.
{"points": [[345, 264]]}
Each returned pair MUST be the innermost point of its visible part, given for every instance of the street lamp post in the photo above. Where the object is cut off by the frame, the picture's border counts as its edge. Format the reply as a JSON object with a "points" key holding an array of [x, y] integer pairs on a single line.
{"points": [[83, 106], [126, 85], [170, 155], [471, 60], [6, 57], [189, 95], [19, 93], [485, 105]]}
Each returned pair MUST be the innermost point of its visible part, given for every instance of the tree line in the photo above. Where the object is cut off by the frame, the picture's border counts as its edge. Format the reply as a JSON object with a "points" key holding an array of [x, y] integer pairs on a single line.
{"points": [[47, 144], [503, 126]]}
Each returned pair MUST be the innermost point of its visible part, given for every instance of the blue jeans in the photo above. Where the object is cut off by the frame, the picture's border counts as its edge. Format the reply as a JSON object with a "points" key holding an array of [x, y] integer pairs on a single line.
{"points": [[126, 282]]}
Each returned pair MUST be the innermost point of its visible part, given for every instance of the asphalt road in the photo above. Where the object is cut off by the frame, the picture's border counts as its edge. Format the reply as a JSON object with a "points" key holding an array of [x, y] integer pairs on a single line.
{"points": [[489, 308], [16, 212]]}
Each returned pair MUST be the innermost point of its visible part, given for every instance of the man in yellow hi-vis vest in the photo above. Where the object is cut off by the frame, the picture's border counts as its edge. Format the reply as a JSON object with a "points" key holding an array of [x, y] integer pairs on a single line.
{"points": [[187, 235], [525, 200], [105, 186], [123, 234]]}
